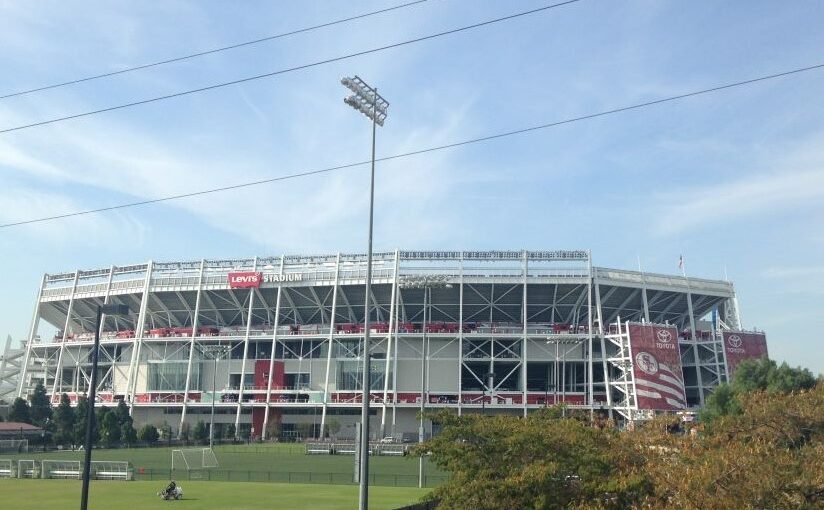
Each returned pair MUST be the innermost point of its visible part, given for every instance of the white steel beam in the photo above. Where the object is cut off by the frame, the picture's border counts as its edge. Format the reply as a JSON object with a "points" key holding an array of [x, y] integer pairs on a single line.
{"points": [[137, 344], [245, 355], [192, 349], [330, 348], [58, 379], [267, 411], [388, 356]]}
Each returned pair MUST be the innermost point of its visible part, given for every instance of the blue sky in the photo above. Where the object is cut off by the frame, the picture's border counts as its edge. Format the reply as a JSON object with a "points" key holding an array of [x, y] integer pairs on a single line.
{"points": [[732, 180]]}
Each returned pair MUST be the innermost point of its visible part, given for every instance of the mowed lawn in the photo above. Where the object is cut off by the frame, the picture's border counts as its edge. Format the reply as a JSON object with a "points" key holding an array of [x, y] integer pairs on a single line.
{"points": [[273, 458], [39, 494]]}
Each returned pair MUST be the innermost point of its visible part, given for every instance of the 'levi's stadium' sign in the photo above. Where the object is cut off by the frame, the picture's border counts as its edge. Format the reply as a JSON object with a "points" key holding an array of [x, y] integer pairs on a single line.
{"points": [[245, 279]]}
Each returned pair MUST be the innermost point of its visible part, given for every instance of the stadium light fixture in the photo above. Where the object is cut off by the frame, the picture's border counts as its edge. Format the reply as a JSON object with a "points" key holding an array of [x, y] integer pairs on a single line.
{"points": [[367, 101], [214, 352], [106, 309]]}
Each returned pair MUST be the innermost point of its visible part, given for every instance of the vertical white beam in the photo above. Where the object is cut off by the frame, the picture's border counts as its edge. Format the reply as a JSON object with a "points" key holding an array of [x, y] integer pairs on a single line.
{"points": [[602, 331], [524, 317], [694, 337], [58, 386], [272, 355], [103, 326], [192, 348], [32, 335], [590, 367], [330, 348], [389, 347], [395, 356], [460, 334], [245, 354], [134, 363]]}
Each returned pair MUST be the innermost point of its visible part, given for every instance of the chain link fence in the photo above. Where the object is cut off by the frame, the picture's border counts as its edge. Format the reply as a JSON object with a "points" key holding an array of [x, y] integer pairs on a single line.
{"points": [[239, 475]]}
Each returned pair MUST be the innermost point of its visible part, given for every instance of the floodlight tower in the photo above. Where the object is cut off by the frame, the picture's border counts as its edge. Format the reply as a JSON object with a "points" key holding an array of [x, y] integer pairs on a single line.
{"points": [[367, 101]]}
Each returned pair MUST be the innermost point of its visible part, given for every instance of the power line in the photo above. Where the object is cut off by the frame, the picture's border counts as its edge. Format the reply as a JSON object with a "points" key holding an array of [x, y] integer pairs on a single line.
{"points": [[289, 70], [212, 51], [426, 150]]}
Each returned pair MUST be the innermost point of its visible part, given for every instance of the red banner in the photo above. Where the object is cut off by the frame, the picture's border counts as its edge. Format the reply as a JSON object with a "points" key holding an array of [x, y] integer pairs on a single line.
{"points": [[656, 365], [245, 279], [739, 346]]}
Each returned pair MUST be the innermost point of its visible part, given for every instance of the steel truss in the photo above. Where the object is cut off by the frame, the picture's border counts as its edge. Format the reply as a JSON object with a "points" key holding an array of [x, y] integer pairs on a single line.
{"points": [[529, 318]]}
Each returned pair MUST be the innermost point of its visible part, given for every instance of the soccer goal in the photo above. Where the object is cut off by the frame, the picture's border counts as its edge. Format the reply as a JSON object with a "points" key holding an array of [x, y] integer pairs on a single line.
{"points": [[6, 468], [14, 445], [194, 459], [66, 469], [111, 470], [28, 469]]}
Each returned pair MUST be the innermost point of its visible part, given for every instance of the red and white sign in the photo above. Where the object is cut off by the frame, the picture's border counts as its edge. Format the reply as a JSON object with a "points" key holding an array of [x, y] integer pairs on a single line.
{"points": [[659, 380], [740, 346], [245, 280]]}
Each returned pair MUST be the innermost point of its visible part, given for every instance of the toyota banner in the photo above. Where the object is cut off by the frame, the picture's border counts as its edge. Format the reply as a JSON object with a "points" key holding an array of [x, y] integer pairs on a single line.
{"points": [[740, 346], [659, 380]]}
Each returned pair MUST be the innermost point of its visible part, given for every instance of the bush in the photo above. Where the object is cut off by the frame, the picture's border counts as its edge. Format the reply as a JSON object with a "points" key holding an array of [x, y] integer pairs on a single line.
{"points": [[149, 434]]}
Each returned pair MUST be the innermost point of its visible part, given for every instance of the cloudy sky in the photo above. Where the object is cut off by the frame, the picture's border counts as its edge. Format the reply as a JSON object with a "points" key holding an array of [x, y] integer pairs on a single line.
{"points": [[733, 180]]}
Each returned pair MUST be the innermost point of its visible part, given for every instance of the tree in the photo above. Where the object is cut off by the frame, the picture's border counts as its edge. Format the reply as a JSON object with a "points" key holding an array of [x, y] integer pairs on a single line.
{"points": [[64, 421], [540, 462], [122, 413], [306, 430], [768, 455], [80, 411], [755, 375], [149, 434], [201, 433], [41, 409], [110, 428], [128, 434], [20, 411], [230, 431], [184, 432]]}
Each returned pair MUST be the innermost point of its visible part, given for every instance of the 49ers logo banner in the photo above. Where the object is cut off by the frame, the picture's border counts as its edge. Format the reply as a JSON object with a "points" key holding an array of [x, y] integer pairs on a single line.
{"points": [[739, 346], [245, 279], [659, 380]]}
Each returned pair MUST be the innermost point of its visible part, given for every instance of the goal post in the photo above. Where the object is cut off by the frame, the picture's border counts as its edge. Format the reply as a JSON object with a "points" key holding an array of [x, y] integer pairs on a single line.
{"points": [[193, 459], [7, 468], [66, 469], [14, 445]]}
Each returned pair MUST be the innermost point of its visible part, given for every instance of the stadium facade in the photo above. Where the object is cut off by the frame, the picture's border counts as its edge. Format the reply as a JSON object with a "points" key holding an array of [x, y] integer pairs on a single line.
{"points": [[474, 331]]}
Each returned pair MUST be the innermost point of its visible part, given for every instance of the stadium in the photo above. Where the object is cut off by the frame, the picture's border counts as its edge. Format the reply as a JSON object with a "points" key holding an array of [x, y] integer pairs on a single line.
{"points": [[474, 331]]}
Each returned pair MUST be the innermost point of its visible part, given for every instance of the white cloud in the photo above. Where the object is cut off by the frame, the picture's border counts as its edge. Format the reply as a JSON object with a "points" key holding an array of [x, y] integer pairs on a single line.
{"points": [[750, 196]]}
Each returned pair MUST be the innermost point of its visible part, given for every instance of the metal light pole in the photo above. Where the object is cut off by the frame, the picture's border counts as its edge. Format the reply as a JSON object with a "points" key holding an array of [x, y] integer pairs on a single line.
{"points": [[367, 101], [87, 462], [214, 352]]}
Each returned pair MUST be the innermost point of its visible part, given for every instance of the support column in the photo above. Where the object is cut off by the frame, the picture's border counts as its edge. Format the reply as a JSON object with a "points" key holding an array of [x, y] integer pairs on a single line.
{"points": [[602, 331], [694, 338], [330, 348], [392, 321], [524, 318], [134, 363], [100, 380], [58, 387], [590, 367], [245, 355], [272, 355], [192, 348], [460, 334], [32, 335]]}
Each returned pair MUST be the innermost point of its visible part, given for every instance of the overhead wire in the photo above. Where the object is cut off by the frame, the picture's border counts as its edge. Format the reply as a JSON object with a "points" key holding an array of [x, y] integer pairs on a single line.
{"points": [[425, 150], [212, 51], [290, 69]]}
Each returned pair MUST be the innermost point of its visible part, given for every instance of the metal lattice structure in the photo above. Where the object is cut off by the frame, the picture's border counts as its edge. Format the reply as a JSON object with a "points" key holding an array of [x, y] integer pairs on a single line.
{"points": [[502, 332]]}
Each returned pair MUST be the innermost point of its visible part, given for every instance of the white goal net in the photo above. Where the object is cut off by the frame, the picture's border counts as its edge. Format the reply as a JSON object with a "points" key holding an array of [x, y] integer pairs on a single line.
{"points": [[69, 469], [7, 468], [14, 445], [193, 459], [28, 469]]}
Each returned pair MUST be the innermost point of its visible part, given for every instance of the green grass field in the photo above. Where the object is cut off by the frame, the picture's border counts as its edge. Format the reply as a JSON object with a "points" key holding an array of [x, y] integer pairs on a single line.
{"points": [[39, 494], [275, 462]]}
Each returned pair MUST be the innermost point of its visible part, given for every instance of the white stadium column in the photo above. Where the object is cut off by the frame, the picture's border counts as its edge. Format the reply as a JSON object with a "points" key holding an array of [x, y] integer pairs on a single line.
{"points": [[245, 355], [58, 379], [330, 347], [524, 317], [24, 369], [388, 357], [192, 348], [134, 364]]}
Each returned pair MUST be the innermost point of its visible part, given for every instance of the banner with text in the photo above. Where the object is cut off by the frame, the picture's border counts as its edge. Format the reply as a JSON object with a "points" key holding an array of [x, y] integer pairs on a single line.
{"points": [[659, 380], [245, 280], [740, 346]]}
